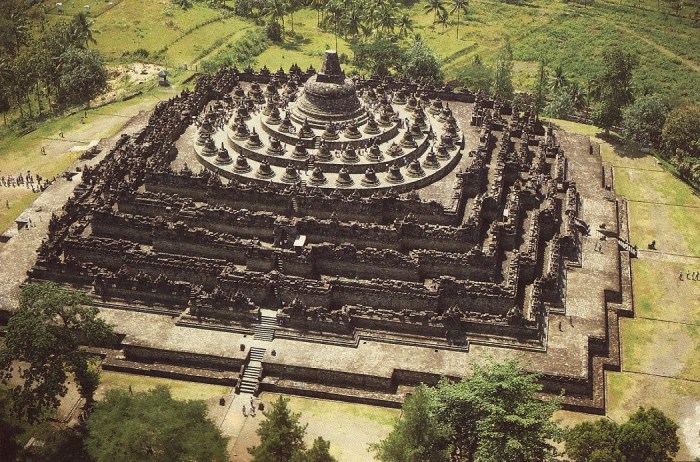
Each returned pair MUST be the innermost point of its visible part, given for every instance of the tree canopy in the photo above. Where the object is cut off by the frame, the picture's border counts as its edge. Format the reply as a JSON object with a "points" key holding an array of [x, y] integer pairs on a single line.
{"points": [[282, 438], [55, 66], [420, 63], [643, 120], [42, 344], [614, 87], [319, 452], [502, 85], [648, 436], [681, 132], [417, 436], [495, 415], [152, 426], [281, 434]]}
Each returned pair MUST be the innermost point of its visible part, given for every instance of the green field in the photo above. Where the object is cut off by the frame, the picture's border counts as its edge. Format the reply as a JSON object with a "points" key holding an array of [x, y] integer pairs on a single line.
{"points": [[180, 389], [151, 25]]}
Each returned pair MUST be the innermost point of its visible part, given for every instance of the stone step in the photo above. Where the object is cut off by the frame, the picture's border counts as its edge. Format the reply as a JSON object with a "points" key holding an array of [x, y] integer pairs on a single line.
{"points": [[256, 354]]}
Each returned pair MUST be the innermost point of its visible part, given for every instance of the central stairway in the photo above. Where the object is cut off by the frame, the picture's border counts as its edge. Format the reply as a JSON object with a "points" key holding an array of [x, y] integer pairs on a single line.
{"points": [[265, 330], [253, 370]]}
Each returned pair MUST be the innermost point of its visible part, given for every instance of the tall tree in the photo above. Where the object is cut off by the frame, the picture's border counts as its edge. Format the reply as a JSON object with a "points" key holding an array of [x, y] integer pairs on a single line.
{"points": [[436, 7], [82, 75], [578, 95], [615, 83], [319, 452], [42, 343], [152, 426], [81, 32], [540, 91], [292, 6], [476, 76], [496, 415], [648, 436], [281, 434], [558, 80], [386, 16], [443, 18], [377, 57], [417, 436], [643, 120], [14, 26], [503, 75], [275, 10], [459, 7], [592, 439], [681, 132], [405, 25], [420, 63], [353, 21], [318, 5]]}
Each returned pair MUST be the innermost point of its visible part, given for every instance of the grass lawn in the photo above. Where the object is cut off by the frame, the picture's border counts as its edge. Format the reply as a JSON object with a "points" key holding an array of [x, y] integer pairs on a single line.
{"points": [[180, 389], [349, 427], [636, 185], [660, 294], [661, 348], [675, 229]]}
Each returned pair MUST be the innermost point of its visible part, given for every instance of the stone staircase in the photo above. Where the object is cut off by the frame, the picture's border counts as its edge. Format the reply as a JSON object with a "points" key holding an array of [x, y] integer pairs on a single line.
{"points": [[265, 330], [253, 370], [279, 264]]}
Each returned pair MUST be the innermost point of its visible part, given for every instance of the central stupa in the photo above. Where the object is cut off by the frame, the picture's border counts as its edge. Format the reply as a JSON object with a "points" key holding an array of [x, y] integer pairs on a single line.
{"points": [[329, 97]]}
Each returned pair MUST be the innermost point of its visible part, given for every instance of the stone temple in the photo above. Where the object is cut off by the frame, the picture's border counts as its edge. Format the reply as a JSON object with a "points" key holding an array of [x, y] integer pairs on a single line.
{"points": [[308, 233]]}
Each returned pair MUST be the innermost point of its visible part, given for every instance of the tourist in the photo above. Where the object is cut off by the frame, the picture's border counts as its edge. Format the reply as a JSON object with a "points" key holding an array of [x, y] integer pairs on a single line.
{"points": [[245, 414]]}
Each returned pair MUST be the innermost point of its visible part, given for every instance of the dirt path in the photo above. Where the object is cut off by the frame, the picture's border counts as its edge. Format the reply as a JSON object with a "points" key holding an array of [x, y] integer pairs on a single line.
{"points": [[691, 64]]}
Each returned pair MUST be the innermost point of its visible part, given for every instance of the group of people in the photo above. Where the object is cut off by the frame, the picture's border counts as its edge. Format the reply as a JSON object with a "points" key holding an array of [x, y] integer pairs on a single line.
{"points": [[249, 411], [28, 180]]}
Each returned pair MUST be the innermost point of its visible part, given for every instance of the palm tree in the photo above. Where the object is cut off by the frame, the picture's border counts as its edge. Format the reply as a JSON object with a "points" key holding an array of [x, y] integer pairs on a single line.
{"points": [[385, 18], [7, 76], [405, 25], [318, 6], [334, 14], [275, 10], [595, 89], [578, 95], [459, 6], [443, 16], [353, 21], [558, 80], [436, 6], [292, 5], [80, 30]]}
